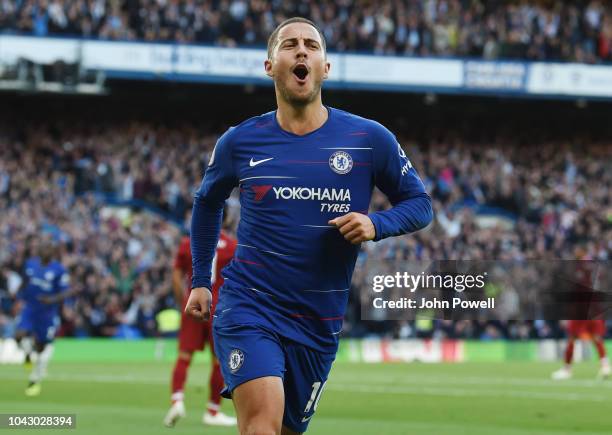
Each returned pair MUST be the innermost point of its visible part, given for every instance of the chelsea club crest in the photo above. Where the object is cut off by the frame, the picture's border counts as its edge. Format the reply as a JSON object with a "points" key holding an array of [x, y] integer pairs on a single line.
{"points": [[341, 162], [236, 359]]}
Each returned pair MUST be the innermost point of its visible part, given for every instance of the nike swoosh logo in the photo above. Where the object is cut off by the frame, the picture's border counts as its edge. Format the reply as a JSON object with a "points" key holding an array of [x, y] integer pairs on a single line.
{"points": [[305, 419], [257, 162]]}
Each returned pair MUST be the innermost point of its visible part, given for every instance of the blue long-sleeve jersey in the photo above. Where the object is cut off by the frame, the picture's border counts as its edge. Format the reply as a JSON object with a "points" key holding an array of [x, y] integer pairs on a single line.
{"points": [[292, 270], [43, 280]]}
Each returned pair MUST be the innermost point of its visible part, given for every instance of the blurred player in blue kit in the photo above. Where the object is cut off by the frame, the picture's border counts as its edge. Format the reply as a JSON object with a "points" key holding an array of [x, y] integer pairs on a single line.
{"points": [[306, 174], [45, 287]]}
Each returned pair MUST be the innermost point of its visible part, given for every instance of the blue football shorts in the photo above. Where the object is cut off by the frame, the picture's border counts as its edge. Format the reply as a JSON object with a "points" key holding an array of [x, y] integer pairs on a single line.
{"points": [[248, 352], [42, 326]]}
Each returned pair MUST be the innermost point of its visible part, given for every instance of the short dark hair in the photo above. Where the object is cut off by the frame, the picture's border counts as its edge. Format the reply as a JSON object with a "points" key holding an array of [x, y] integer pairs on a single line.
{"points": [[274, 36]]}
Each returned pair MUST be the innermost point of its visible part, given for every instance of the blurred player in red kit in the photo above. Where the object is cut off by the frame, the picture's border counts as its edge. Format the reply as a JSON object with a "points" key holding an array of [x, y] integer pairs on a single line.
{"points": [[593, 329], [193, 334]]}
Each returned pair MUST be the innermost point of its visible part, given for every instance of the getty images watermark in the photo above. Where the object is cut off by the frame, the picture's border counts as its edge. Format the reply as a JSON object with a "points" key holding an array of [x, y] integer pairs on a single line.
{"points": [[413, 282], [396, 289]]}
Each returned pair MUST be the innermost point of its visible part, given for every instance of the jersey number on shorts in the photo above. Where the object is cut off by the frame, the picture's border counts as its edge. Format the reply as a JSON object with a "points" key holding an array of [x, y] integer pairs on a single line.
{"points": [[317, 390]]}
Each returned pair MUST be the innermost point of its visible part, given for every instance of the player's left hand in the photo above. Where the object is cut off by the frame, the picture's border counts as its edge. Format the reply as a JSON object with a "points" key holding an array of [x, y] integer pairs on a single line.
{"points": [[355, 227]]}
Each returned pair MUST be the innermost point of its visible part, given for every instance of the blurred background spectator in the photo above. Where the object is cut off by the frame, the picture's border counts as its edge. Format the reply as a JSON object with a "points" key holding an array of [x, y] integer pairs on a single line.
{"points": [[538, 30]]}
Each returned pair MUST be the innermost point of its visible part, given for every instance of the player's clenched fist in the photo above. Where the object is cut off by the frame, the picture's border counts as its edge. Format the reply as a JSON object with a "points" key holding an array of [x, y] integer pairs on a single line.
{"points": [[355, 227], [198, 304]]}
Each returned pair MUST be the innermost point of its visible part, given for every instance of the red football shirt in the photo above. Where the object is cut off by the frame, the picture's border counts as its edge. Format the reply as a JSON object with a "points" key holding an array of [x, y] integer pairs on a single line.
{"points": [[223, 255]]}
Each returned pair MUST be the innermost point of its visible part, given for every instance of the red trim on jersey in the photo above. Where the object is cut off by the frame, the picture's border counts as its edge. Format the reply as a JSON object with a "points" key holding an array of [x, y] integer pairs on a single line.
{"points": [[306, 316], [240, 260]]}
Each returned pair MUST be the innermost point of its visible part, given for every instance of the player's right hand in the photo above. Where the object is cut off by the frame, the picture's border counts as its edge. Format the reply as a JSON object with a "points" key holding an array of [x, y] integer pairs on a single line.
{"points": [[198, 304]]}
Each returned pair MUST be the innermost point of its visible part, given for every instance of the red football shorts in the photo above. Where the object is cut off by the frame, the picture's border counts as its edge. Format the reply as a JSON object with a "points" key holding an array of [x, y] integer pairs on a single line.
{"points": [[194, 335], [578, 328]]}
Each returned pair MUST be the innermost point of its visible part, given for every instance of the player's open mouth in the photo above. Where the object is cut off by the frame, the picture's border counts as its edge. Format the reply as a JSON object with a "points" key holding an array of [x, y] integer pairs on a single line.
{"points": [[300, 72]]}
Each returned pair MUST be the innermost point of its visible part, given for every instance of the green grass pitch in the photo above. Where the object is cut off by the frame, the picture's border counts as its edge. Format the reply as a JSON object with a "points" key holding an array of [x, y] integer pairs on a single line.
{"points": [[359, 399]]}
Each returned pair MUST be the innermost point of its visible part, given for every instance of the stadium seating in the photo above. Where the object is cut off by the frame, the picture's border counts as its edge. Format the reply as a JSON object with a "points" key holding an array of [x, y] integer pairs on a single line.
{"points": [[573, 30]]}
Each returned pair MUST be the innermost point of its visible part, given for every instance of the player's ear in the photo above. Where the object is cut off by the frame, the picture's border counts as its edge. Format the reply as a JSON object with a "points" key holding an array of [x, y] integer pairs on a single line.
{"points": [[268, 67], [326, 70]]}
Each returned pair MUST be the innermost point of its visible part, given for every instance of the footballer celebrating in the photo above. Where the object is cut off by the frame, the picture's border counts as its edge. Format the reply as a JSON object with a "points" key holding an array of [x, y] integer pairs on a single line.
{"points": [[306, 173]]}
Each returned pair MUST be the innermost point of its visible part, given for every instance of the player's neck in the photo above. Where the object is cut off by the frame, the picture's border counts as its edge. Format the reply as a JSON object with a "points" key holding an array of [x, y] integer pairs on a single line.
{"points": [[301, 120]]}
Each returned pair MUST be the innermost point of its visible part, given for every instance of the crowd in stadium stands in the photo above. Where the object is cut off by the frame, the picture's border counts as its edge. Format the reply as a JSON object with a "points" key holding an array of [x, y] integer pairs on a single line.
{"points": [[58, 182], [553, 30]]}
